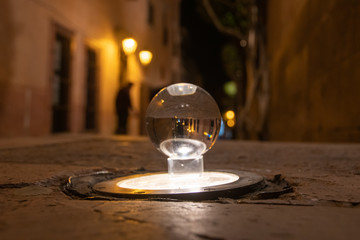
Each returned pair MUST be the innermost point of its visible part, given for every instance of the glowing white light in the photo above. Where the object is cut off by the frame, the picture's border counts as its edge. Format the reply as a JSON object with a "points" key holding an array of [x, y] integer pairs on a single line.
{"points": [[129, 45], [184, 150], [164, 181], [145, 57], [181, 89]]}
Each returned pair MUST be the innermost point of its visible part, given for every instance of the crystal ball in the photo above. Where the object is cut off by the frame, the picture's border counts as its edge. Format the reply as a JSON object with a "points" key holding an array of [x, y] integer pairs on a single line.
{"points": [[183, 121]]}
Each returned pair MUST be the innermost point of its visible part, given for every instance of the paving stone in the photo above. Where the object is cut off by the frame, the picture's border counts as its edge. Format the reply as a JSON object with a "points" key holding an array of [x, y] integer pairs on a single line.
{"points": [[324, 205]]}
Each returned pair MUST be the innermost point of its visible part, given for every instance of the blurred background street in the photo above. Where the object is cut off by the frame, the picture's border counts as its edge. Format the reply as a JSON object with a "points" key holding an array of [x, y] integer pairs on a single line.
{"points": [[279, 70], [76, 77]]}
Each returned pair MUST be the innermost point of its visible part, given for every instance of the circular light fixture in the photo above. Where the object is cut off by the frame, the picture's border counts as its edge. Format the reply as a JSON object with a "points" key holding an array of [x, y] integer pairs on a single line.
{"points": [[228, 184], [163, 181]]}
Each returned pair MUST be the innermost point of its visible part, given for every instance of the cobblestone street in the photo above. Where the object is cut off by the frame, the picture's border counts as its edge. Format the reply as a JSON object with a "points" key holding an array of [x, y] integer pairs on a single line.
{"points": [[324, 205]]}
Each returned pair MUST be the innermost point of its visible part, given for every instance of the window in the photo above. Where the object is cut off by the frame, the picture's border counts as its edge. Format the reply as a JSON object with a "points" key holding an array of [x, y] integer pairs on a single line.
{"points": [[150, 16], [165, 36], [91, 93], [60, 83], [165, 30]]}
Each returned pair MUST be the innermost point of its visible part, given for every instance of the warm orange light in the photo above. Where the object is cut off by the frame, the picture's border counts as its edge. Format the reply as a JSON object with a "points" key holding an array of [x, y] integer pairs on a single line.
{"points": [[129, 45], [230, 114], [230, 123], [145, 57]]}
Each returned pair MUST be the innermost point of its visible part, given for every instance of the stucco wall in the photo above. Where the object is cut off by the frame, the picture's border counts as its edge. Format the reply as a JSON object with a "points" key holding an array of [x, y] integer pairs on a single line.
{"points": [[27, 30], [314, 53]]}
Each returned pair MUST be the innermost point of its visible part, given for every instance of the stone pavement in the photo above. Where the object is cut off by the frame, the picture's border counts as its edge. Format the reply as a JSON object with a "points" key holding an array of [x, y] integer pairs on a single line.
{"points": [[324, 205]]}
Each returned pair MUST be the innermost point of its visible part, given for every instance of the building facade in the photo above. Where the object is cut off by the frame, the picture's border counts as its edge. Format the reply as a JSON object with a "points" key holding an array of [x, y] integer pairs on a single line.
{"points": [[314, 53], [62, 62]]}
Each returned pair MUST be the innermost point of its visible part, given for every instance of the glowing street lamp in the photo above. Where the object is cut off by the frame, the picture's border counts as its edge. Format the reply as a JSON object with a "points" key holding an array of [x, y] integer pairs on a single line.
{"points": [[129, 45], [230, 116], [145, 57], [230, 123]]}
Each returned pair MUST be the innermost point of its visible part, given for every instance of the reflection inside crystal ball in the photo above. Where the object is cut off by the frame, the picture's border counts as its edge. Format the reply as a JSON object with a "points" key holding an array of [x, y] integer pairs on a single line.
{"points": [[183, 121]]}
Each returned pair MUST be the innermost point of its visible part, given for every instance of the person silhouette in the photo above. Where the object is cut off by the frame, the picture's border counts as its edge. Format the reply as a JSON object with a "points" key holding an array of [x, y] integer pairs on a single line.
{"points": [[123, 105]]}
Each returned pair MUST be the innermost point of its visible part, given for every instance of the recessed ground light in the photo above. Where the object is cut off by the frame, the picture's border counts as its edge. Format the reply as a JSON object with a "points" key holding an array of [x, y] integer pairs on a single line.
{"points": [[183, 122]]}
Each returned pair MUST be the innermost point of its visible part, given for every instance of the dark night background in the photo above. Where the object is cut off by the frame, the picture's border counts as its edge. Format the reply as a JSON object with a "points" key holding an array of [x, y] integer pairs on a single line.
{"points": [[201, 49]]}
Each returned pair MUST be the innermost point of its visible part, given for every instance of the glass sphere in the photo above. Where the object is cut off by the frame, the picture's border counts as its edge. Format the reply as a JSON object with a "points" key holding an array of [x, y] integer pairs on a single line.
{"points": [[183, 121]]}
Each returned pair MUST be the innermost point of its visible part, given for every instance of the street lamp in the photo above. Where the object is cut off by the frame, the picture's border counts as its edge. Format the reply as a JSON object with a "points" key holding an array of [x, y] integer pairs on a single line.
{"points": [[129, 45], [145, 57], [230, 117]]}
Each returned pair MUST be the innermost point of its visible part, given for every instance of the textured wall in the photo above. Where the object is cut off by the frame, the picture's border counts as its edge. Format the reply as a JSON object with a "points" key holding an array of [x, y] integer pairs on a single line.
{"points": [[7, 33], [26, 45], [314, 53]]}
